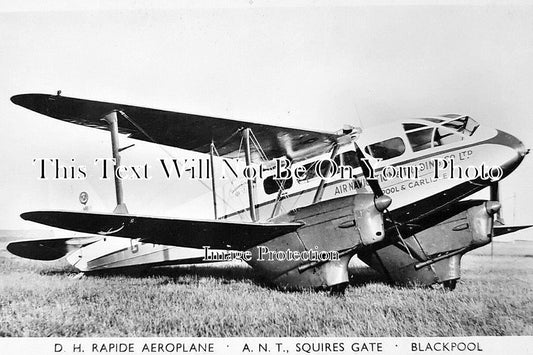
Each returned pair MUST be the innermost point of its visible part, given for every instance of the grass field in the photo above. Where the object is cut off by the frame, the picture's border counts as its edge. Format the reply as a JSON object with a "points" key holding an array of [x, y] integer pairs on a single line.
{"points": [[45, 299]]}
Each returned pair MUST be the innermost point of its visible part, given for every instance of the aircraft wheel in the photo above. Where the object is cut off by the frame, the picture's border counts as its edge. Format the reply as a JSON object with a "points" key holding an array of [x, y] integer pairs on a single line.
{"points": [[450, 284]]}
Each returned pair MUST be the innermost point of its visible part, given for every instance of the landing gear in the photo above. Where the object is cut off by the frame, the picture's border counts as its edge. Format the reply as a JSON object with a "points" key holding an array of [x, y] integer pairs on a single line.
{"points": [[450, 284], [338, 289]]}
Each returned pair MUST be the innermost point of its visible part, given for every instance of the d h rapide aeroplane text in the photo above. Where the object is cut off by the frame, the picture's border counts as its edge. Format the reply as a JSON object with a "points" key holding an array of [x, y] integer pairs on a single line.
{"points": [[395, 196]]}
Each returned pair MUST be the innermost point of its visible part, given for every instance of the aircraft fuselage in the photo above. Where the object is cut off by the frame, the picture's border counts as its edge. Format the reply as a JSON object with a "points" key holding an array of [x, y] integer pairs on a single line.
{"points": [[421, 164]]}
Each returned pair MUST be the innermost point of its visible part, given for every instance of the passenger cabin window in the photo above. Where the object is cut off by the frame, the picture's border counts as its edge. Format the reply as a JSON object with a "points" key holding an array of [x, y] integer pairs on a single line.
{"points": [[310, 170], [273, 186], [348, 158], [387, 149], [326, 169]]}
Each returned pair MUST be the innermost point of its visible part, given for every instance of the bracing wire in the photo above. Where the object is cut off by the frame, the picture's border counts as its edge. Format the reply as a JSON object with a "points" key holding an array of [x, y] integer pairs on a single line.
{"points": [[263, 156], [132, 121]]}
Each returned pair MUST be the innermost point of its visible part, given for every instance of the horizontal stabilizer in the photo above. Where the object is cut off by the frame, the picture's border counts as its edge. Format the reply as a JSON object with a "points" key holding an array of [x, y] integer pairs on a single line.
{"points": [[217, 234], [502, 230], [49, 249]]}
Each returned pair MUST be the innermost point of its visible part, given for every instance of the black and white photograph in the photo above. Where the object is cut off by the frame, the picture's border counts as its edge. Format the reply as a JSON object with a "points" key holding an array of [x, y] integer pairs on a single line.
{"points": [[284, 177]]}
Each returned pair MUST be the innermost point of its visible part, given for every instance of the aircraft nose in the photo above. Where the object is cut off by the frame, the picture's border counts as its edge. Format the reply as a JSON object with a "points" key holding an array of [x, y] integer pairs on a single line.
{"points": [[517, 145]]}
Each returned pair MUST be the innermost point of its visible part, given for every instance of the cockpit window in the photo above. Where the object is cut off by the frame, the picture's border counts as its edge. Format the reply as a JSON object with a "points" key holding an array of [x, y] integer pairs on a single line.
{"points": [[432, 137], [442, 132], [445, 136], [433, 119], [451, 115], [387, 149], [420, 139], [411, 126], [465, 125]]}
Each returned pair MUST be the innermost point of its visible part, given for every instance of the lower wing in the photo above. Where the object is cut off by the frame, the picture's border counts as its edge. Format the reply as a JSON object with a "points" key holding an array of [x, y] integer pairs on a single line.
{"points": [[49, 249], [217, 234]]}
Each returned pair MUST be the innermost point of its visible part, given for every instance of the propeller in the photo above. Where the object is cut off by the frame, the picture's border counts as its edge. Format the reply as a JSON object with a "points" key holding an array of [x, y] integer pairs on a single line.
{"points": [[495, 196], [495, 212], [381, 201], [367, 173]]}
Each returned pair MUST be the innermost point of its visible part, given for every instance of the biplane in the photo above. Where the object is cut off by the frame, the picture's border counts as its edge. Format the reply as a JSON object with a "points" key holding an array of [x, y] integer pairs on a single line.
{"points": [[403, 209]]}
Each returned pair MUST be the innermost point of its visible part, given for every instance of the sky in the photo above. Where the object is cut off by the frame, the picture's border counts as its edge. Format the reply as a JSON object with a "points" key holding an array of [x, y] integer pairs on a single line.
{"points": [[314, 65]]}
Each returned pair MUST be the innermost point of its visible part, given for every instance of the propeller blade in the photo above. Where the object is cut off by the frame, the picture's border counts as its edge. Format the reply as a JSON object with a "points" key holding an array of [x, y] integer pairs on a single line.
{"points": [[381, 201], [497, 218], [495, 191], [365, 166], [495, 196]]}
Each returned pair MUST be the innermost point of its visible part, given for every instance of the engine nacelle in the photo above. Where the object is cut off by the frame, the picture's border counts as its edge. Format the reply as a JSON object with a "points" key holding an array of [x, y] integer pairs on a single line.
{"points": [[317, 254], [435, 253]]}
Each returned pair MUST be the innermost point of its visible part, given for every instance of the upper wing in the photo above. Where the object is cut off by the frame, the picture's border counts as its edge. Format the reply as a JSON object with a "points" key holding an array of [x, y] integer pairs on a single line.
{"points": [[217, 234], [50, 248], [182, 130]]}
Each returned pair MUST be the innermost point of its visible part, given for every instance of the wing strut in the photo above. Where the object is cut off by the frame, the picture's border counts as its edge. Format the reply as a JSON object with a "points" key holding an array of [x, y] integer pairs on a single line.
{"points": [[212, 168], [111, 119], [248, 158], [346, 138], [320, 190]]}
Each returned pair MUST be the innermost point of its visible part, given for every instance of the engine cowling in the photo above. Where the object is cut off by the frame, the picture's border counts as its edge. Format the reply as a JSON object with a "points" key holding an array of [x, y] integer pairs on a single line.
{"points": [[435, 253], [317, 254]]}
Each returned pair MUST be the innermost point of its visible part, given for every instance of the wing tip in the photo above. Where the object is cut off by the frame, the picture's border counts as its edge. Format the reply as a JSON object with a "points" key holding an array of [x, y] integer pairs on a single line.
{"points": [[31, 101], [18, 99], [26, 216], [34, 216], [31, 249]]}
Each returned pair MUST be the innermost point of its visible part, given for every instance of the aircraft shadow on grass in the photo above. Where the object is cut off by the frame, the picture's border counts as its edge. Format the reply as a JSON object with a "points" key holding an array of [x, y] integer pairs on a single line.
{"points": [[195, 275]]}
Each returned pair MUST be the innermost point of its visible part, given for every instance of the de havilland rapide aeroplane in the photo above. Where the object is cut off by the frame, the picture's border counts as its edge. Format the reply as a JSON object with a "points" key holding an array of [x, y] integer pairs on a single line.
{"points": [[403, 208]]}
